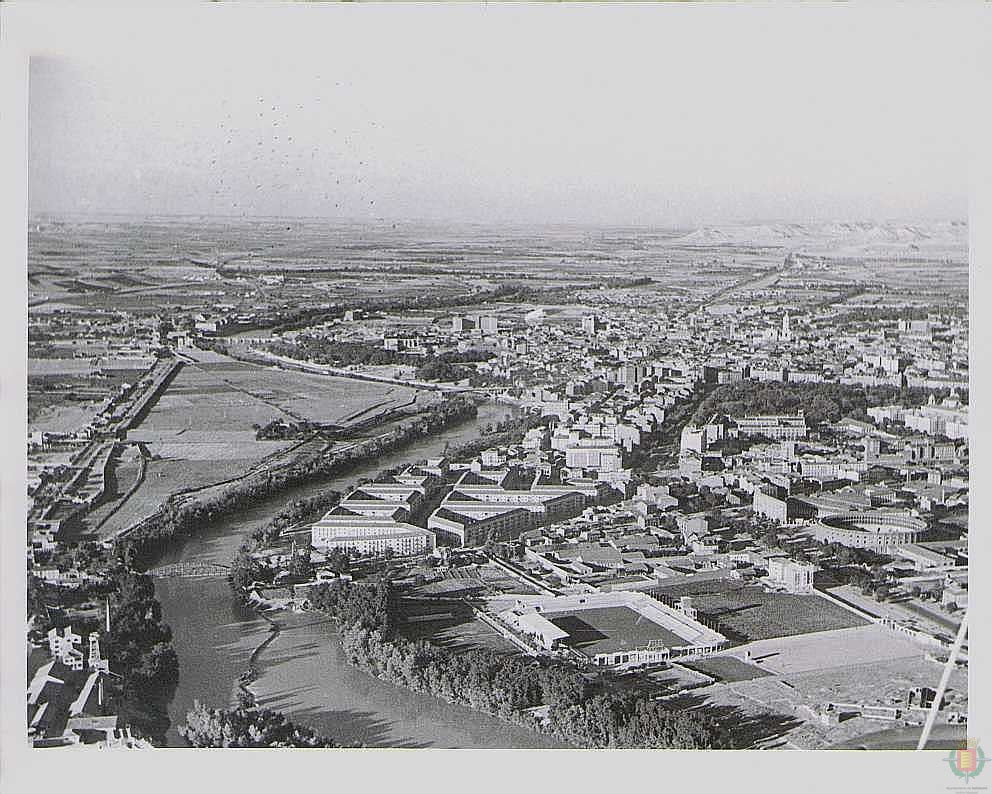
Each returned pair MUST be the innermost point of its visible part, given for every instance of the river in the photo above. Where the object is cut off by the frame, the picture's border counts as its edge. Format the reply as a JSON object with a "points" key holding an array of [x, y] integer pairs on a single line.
{"points": [[303, 672]]}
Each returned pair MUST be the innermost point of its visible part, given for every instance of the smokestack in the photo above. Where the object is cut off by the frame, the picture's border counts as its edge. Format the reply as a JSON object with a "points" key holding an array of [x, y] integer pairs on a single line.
{"points": [[108, 615]]}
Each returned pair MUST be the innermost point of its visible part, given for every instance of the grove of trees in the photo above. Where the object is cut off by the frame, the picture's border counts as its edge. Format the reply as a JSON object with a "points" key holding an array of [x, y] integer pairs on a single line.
{"points": [[821, 402], [139, 645], [246, 726], [505, 685]]}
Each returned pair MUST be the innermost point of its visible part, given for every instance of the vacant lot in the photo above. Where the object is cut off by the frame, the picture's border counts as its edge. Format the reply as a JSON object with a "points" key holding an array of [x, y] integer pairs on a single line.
{"points": [[860, 645], [607, 629], [726, 668], [748, 612]]}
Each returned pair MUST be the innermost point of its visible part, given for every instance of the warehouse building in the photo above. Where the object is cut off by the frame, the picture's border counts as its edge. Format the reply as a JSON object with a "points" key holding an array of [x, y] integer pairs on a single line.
{"points": [[373, 535]]}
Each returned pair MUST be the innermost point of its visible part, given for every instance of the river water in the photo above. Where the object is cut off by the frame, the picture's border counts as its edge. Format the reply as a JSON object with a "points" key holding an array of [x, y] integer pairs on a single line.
{"points": [[303, 672]]}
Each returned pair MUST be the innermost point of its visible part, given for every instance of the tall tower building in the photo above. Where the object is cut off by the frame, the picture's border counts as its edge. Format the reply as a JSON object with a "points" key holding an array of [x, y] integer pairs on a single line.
{"points": [[786, 331], [590, 324]]}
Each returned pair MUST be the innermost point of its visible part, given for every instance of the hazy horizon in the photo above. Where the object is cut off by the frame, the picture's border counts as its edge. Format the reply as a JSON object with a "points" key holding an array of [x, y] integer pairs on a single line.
{"points": [[641, 117]]}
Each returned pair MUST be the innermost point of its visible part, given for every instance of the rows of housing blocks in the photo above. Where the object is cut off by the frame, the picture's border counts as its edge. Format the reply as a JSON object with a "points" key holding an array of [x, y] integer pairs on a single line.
{"points": [[482, 504], [502, 503]]}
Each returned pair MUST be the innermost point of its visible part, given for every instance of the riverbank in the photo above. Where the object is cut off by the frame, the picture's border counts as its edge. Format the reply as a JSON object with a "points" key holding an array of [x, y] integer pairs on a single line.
{"points": [[183, 513], [303, 673], [251, 672], [215, 634]]}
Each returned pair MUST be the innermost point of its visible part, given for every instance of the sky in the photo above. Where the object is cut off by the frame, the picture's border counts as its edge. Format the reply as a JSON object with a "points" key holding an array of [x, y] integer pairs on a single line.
{"points": [[645, 115]]}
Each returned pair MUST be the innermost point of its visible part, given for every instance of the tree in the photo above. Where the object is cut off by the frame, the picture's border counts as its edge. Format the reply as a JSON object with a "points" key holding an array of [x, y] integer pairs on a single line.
{"points": [[338, 561], [244, 571], [300, 565], [246, 726], [157, 672]]}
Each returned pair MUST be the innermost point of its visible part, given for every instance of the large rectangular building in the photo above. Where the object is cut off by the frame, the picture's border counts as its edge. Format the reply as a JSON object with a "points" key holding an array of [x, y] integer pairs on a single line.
{"points": [[370, 535], [796, 577], [598, 454], [472, 523], [781, 508], [785, 427], [505, 502]]}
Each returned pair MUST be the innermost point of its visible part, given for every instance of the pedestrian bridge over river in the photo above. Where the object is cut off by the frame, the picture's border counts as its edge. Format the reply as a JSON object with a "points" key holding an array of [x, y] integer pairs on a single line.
{"points": [[191, 569]]}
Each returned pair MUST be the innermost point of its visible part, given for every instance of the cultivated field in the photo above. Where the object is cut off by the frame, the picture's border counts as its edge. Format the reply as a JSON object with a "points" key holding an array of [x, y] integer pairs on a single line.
{"points": [[453, 588], [162, 479], [747, 612], [67, 402], [199, 399], [64, 418], [201, 430], [294, 395], [123, 475]]}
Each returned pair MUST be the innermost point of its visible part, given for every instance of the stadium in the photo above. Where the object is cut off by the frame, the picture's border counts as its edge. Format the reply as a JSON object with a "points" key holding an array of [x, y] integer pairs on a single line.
{"points": [[876, 531], [612, 628]]}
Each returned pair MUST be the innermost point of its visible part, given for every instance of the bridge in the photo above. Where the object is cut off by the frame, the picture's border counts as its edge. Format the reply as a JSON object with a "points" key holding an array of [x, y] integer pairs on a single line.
{"points": [[193, 569]]}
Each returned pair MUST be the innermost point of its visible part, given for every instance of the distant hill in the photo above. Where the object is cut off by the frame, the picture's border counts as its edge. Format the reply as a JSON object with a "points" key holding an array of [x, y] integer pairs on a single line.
{"points": [[865, 238]]}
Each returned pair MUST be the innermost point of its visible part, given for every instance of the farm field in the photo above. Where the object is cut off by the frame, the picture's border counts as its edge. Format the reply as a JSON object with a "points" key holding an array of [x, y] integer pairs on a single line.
{"points": [[51, 458], [489, 579], [201, 430], [200, 400], [162, 479], [204, 444], [453, 588], [295, 395], [61, 418], [123, 474], [79, 395], [499, 581], [747, 612]]}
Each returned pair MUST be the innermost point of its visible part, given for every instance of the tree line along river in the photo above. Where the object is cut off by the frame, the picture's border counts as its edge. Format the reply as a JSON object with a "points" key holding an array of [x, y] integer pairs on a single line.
{"points": [[302, 672]]}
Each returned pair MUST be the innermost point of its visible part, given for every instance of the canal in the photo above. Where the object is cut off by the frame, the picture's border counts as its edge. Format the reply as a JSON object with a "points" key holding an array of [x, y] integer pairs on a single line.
{"points": [[303, 672]]}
